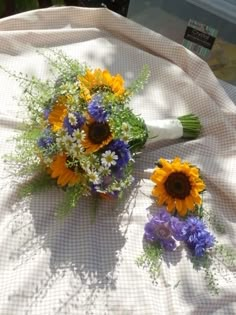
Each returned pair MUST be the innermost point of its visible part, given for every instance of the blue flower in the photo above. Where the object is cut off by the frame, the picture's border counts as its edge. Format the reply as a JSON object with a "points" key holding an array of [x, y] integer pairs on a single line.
{"points": [[164, 229], [78, 122], [46, 139], [121, 149], [96, 109], [197, 238]]}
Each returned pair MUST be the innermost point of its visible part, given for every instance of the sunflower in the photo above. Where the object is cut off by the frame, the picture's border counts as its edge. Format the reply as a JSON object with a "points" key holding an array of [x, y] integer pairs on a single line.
{"points": [[97, 135], [64, 175], [93, 80], [58, 113], [177, 185]]}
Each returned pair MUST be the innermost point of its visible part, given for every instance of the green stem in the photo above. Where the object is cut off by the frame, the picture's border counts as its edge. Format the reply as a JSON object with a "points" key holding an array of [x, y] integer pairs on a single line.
{"points": [[191, 126]]}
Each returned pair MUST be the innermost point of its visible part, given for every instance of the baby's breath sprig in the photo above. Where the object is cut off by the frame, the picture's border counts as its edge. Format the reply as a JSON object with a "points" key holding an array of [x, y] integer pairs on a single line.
{"points": [[226, 255], [62, 66], [138, 84]]}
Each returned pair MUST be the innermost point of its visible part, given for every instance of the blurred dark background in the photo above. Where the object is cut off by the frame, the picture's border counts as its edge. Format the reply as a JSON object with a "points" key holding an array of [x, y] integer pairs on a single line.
{"points": [[9, 7]]}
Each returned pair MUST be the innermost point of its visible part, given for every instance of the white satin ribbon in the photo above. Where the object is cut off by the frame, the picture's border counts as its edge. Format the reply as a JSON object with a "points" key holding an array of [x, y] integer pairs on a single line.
{"points": [[164, 129]]}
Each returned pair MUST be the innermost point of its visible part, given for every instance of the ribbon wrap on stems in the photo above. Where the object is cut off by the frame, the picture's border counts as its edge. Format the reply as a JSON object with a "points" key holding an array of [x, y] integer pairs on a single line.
{"points": [[165, 129], [187, 126]]}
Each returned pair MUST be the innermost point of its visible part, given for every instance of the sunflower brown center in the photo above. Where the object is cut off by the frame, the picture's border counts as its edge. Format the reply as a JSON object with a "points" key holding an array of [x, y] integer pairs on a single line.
{"points": [[98, 132], [177, 185]]}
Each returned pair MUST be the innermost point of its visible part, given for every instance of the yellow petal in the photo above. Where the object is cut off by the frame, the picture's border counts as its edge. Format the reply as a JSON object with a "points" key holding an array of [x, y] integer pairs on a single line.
{"points": [[189, 202]]}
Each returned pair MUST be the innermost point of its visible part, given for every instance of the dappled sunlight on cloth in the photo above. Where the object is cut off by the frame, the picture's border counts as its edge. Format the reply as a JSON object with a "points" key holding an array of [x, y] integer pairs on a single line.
{"points": [[74, 265]]}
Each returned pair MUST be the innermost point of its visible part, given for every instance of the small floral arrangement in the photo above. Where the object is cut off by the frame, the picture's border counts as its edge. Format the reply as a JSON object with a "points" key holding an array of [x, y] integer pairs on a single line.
{"points": [[182, 221], [80, 133]]}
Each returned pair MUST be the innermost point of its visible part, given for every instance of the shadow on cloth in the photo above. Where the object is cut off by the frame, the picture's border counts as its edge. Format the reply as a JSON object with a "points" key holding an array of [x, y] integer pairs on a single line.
{"points": [[82, 253]]}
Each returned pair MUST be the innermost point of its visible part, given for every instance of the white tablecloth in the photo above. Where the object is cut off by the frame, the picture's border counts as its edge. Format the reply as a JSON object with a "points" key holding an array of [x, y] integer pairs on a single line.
{"points": [[73, 266]]}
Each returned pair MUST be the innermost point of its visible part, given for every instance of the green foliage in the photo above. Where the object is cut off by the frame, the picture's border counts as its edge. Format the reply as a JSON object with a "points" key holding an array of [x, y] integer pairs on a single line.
{"points": [[206, 263], [138, 129], [36, 184], [215, 223], [67, 68], [226, 255], [151, 260], [70, 200], [220, 256]]}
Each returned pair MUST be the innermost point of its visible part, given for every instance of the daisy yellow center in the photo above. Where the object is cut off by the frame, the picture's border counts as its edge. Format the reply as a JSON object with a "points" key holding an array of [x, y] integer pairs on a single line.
{"points": [[109, 158], [98, 132], [177, 185]]}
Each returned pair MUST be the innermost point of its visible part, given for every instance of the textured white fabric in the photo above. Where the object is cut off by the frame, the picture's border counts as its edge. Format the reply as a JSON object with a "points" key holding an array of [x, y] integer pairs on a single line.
{"points": [[74, 266]]}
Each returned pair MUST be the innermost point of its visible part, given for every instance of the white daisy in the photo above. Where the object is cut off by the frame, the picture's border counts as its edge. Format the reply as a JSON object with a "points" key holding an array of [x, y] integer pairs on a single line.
{"points": [[60, 142], [78, 135], [109, 158], [68, 141], [94, 177], [104, 170], [76, 150], [125, 138], [115, 186], [72, 119]]}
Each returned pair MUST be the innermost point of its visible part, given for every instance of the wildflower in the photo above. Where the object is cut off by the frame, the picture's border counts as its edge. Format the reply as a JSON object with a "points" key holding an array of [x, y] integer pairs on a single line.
{"points": [[122, 152], [197, 238], [97, 135], [178, 185], [46, 139], [94, 177], [65, 176], [164, 229], [58, 114], [96, 109], [109, 158], [78, 135], [73, 121], [76, 150], [67, 141], [97, 79]]}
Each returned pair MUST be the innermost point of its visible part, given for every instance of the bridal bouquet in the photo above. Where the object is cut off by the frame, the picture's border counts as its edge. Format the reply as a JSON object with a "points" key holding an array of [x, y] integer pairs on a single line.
{"points": [[80, 133]]}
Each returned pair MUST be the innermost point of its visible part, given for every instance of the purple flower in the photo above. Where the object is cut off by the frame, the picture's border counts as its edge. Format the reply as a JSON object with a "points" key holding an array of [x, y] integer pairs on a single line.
{"points": [[164, 229], [197, 238], [79, 121], [96, 109], [46, 112], [46, 139], [121, 149]]}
